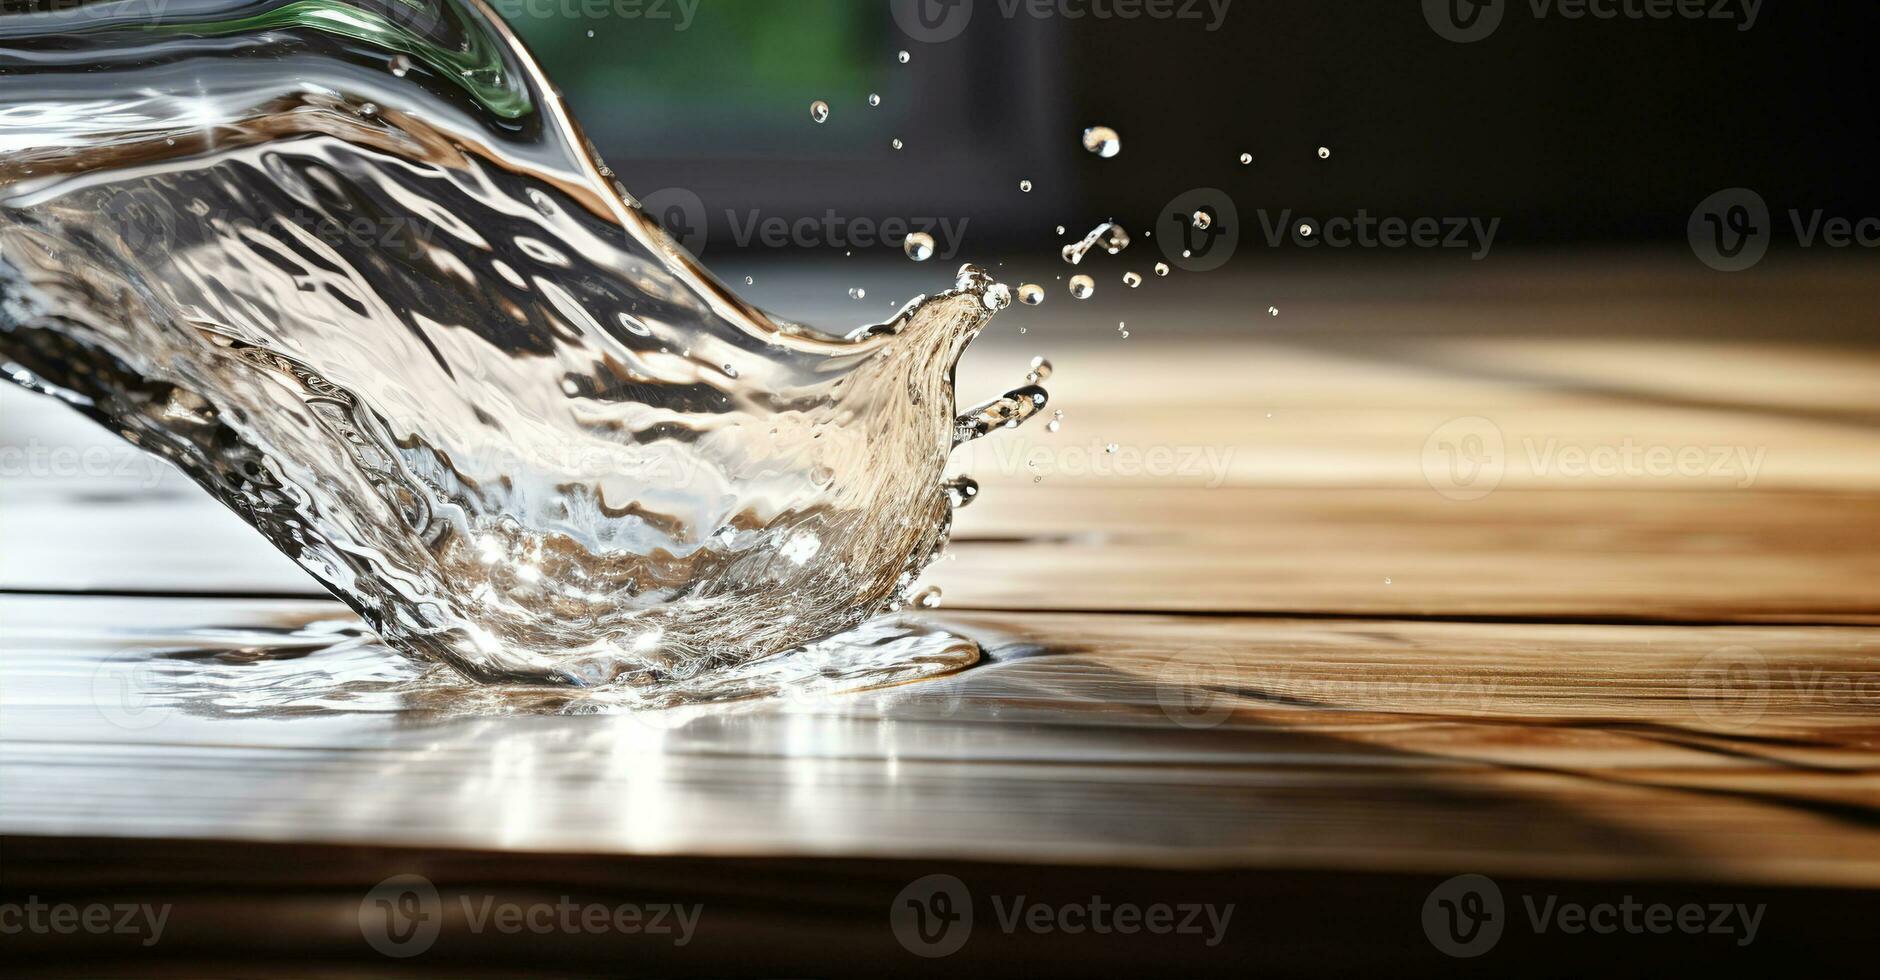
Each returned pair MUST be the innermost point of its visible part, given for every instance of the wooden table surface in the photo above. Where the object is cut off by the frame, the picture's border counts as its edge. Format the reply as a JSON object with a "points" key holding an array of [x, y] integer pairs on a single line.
{"points": [[1403, 586]]}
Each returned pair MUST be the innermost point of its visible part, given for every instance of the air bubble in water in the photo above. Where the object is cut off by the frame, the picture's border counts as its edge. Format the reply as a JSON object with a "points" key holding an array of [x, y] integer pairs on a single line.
{"points": [[919, 246], [1040, 370], [819, 111], [1122, 329], [929, 597], [905, 57], [1057, 421], [1060, 229], [858, 293], [1272, 311], [750, 280], [1111, 449], [1030, 294], [1161, 268], [997, 297], [1325, 153], [874, 99], [1203, 220], [1025, 186], [1103, 141], [400, 65], [897, 144], [1082, 287], [1305, 230], [1132, 280], [1246, 159]]}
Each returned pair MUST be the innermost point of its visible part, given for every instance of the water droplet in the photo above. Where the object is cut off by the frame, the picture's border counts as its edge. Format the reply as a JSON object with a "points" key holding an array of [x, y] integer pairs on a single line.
{"points": [[874, 99], [400, 66], [897, 144], [1272, 311], [1161, 268], [997, 297], [1203, 220], [918, 246], [858, 293], [1082, 287], [961, 491], [1325, 153], [1131, 280], [929, 597], [369, 109], [819, 111], [1030, 294], [1246, 159], [1025, 186], [1040, 370], [1103, 141], [905, 57], [1108, 236]]}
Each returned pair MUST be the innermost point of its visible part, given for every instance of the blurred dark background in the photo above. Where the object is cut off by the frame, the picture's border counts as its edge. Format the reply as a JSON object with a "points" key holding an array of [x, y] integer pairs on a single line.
{"points": [[1571, 131]]}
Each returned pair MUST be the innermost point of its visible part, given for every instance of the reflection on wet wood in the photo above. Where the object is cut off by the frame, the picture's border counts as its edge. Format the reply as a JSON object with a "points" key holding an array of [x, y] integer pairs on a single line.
{"points": [[1508, 749]]}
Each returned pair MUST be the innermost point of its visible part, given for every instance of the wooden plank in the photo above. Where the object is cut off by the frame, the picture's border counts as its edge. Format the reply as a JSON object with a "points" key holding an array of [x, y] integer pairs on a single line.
{"points": [[1708, 754]]}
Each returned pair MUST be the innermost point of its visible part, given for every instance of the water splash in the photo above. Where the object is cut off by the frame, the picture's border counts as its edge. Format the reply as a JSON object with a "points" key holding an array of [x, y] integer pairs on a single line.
{"points": [[351, 266]]}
